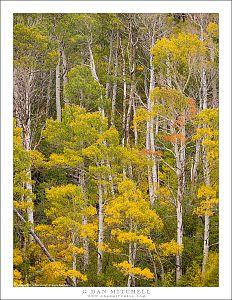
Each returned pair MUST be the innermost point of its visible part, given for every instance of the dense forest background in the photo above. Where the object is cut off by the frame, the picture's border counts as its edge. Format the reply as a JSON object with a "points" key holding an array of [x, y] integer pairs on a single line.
{"points": [[116, 149]]}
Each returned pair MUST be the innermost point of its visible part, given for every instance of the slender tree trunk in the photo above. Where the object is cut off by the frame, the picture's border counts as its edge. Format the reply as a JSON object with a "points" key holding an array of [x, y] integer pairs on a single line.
{"points": [[214, 79], [109, 64], [48, 103], [130, 262], [124, 95], [84, 222], [135, 125], [179, 228], [150, 144], [128, 118], [64, 72], [204, 88], [74, 262], [206, 171], [115, 82], [94, 74], [205, 162], [27, 146], [36, 238], [58, 103], [100, 229], [131, 256], [154, 265], [38, 241], [180, 174], [85, 246], [196, 162], [206, 242]]}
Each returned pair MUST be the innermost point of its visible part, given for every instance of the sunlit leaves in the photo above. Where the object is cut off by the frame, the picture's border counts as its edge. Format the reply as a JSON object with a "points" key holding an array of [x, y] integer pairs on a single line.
{"points": [[127, 269], [170, 248]]}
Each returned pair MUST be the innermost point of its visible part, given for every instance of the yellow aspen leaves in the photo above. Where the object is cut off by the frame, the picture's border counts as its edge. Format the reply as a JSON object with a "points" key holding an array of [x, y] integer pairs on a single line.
{"points": [[17, 278], [209, 201], [170, 248], [17, 257], [127, 269]]}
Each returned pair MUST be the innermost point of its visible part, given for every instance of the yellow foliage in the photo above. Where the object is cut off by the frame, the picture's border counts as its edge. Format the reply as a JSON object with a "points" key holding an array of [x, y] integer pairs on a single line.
{"points": [[17, 257], [77, 274], [206, 207], [206, 192], [104, 247], [213, 29], [89, 230], [23, 205], [127, 269], [44, 230], [171, 248], [17, 277], [67, 158], [76, 250], [54, 272], [89, 211], [141, 116], [37, 158], [110, 282], [124, 237]]}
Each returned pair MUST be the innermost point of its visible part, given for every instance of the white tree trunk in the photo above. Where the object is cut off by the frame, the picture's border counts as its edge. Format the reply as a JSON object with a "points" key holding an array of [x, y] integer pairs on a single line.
{"points": [[150, 138], [196, 161], [109, 64], [85, 246], [100, 229], [206, 171], [124, 95], [27, 146], [115, 82], [206, 242], [65, 72], [74, 262], [179, 229], [132, 257], [58, 104], [94, 74], [180, 174]]}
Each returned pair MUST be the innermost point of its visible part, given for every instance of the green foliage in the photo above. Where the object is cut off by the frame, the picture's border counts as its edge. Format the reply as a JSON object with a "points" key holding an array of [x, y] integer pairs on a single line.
{"points": [[82, 168], [32, 49], [82, 89]]}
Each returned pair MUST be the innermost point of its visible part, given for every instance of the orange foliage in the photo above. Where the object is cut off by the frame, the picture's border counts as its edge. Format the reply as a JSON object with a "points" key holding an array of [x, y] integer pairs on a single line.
{"points": [[179, 122], [192, 108], [151, 152], [174, 137]]}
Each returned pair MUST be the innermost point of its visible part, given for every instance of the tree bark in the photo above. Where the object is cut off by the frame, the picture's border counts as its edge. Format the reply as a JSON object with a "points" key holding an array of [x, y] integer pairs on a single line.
{"points": [[180, 174], [64, 72], [196, 162], [109, 64], [58, 104], [100, 229], [124, 95], [27, 146], [85, 246], [115, 82], [74, 262], [94, 74], [36, 238], [132, 257], [206, 171], [84, 222], [38, 241], [150, 130]]}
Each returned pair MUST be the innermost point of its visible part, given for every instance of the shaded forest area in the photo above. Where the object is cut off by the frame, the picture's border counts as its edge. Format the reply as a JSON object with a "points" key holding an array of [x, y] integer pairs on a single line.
{"points": [[116, 149]]}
